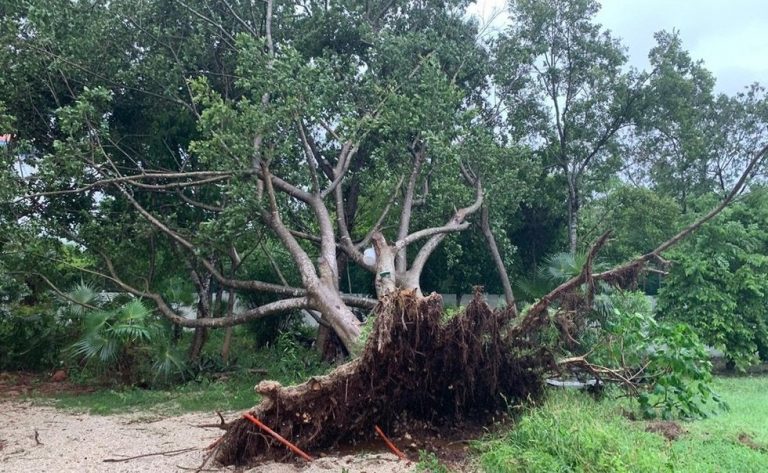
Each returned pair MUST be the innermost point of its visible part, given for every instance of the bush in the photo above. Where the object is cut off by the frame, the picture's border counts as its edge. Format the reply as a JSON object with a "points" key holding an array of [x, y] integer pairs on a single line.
{"points": [[666, 360], [31, 337], [719, 282], [123, 338]]}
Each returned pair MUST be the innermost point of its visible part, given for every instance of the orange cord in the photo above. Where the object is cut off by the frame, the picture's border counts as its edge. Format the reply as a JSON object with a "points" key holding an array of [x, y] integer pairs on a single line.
{"points": [[389, 443], [278, 437]]}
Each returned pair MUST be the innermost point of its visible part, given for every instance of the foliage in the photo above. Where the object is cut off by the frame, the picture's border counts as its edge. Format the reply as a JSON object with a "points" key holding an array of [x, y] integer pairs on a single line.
{"points": [[690, 141], [639, 219], [124, 338], [429, 463], [667, 360], [719, 282], [554, 270], [31, 337]]}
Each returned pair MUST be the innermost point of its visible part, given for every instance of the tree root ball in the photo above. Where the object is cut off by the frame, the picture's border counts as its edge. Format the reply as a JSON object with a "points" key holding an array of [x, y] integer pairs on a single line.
{"points": [[415, 366]]}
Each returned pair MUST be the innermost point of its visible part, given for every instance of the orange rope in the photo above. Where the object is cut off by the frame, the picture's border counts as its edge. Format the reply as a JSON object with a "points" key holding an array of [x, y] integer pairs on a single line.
{"points": [[389, 443], [278, 437]]}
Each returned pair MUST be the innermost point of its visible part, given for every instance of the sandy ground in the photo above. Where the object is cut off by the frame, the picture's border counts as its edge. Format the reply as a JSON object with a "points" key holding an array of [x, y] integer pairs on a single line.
{"points": [[68, 442]]}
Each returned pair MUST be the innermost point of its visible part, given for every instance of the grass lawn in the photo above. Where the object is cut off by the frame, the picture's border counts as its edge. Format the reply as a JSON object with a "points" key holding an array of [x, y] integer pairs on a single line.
{"points": [[573, 433], [714, 445], [283, 361]]}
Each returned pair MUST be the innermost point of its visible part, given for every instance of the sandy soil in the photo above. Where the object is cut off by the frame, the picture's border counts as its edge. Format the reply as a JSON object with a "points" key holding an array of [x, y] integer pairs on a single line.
{"points": [[68, 442]]}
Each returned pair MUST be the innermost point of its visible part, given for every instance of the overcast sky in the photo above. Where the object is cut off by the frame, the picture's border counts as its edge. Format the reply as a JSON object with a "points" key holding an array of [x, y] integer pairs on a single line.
{"points": [[731, 36]]}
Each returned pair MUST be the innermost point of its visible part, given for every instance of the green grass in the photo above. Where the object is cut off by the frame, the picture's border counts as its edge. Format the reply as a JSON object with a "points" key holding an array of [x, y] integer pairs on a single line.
{"points": [[571, 432], [285, 361], [712, 445], [233, 394]]}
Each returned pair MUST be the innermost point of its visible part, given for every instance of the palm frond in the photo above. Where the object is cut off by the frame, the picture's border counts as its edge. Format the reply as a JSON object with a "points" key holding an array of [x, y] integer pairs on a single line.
{"points": [[81, 295]]}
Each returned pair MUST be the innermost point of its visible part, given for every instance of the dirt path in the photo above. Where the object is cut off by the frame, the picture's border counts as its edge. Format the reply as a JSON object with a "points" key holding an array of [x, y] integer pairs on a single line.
{"points": [[68, 442]]}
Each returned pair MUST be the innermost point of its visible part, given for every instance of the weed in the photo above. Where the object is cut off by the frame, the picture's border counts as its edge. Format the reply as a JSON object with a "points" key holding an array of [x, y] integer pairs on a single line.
{"points": [[429, 463]]}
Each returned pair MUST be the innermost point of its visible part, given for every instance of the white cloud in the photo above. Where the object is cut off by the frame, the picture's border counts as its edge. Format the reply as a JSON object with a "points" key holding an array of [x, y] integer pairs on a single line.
{"points": [[731, 36]]}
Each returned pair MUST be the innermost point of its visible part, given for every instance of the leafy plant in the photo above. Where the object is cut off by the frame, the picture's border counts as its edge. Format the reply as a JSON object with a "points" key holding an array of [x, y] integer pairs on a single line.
{"points": [[429, 463], [31, 337], [127, 338], [719, 282], [664, 365]]}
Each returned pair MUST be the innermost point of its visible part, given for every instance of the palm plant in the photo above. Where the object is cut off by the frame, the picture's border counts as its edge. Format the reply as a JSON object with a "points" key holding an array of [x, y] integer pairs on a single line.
{"points": [[121, 337]]}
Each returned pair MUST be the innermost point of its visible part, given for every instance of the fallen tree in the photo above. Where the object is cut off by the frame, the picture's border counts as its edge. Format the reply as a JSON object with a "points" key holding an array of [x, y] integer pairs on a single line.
{"points": [[416, 367]]}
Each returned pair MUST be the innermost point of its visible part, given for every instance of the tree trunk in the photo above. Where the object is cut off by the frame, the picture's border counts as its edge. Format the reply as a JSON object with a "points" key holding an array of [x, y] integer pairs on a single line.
{"points": [[341, 318], [385, 281], [509, 296], [198, 342], [227, 344], [573, 214], [203, 311]]}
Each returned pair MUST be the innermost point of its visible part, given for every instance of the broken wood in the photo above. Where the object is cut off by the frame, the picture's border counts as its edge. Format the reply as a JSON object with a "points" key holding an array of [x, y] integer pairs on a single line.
{"points": [[167, 453]]}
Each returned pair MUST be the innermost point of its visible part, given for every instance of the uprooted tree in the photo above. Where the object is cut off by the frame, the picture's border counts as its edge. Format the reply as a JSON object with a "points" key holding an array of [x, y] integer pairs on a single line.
{"points": [[246, 137], [416, 366]]}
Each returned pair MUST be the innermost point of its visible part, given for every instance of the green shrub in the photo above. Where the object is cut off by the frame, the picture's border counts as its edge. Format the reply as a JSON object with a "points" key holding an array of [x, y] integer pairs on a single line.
{"points": [[719, 282], [123, 338], [666, 361], [31, 337]]}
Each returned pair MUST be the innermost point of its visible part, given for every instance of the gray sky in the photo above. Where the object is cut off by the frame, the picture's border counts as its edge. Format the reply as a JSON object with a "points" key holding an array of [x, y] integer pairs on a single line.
{"points": [[731, 36]]}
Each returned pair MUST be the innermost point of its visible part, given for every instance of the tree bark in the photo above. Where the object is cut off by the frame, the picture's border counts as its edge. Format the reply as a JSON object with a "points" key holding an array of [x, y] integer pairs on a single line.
{"points": [[490, 240], [386, 276], [573, 214], [227, 344]]}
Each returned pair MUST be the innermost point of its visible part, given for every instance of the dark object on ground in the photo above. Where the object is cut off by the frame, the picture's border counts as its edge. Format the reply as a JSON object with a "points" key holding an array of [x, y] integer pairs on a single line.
{"points": [[746, 439], [414, 368], [668, 429], [59, 376]]}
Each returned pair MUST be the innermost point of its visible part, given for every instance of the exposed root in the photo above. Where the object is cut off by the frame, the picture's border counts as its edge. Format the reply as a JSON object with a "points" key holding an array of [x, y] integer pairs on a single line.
{"points": [[415, 366]]}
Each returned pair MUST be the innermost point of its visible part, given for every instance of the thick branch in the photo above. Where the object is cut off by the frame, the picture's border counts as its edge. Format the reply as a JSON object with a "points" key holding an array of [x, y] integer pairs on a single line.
{"points": [[405, 215], [457, 220], [490, 240]]}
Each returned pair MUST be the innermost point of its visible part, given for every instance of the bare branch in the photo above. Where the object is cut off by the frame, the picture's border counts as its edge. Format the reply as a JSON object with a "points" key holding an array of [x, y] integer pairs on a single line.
{"points": [[134, 180], [458, 218], [451, 227], [348, 150], [490, 240], [406, 213]]}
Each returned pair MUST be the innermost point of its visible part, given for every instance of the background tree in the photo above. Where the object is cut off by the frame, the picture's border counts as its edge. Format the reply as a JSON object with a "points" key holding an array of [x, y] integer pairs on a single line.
{"points": [[556, 57], [718, 282]]}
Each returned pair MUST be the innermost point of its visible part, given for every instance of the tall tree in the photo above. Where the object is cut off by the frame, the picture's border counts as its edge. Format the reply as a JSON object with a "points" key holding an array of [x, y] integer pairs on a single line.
{"points": [[690, 141], [212, 151], [557, 62]]}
